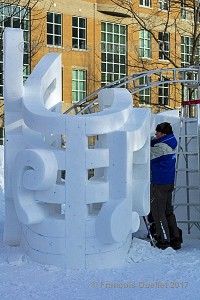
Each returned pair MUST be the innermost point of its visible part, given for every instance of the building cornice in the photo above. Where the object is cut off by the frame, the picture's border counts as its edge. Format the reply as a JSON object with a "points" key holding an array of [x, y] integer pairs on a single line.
{"points": [[113, 10]]}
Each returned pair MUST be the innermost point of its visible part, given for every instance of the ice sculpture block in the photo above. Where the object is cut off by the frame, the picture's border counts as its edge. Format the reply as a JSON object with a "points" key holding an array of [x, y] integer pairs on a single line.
{"points": [[79, 222]]}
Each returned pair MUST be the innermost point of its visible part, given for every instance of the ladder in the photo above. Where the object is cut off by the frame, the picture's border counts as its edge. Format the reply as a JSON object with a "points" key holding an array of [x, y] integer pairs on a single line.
{"points": [[186, 196]]}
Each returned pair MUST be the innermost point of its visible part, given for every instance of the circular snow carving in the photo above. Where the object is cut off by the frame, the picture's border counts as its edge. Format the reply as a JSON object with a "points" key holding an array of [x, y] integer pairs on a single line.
{"points": [[34, 169]]}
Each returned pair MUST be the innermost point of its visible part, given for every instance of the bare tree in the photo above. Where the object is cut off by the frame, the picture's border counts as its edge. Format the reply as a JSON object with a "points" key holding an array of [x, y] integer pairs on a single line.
{"points": [[171, 17], [180, 19]]}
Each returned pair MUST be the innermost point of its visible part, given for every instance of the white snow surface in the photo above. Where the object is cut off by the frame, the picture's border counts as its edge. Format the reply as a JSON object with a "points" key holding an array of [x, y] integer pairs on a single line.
{"points": [[148, 273]]}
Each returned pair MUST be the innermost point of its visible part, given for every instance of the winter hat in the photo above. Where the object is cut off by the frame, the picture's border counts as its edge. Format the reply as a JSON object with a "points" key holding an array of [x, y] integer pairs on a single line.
{"points": [[164, 127]]}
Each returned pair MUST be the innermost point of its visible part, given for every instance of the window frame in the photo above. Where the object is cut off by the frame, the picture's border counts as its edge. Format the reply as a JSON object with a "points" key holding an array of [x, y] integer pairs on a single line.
{"points": [[164, 5], [78, 80], [143, 39], [144, 95], [145, 3], [162, 98], [165, 43], [186, 12], [79, 39], [113, 52], [53, 34], [183, 10], [186, 42]]}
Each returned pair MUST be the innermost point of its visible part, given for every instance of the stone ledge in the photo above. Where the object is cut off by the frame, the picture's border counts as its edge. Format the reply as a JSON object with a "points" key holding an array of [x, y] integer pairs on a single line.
{"points": [[113, 10]]}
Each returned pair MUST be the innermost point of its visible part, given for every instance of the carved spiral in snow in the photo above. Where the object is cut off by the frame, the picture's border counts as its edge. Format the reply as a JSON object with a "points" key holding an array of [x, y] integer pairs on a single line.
{"points": [[34, 169]]}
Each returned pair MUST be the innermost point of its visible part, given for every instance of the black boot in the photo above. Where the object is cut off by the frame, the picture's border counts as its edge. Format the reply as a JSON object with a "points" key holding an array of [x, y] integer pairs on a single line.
{"points": [[175, 243], [180, 235], [162, 244]]}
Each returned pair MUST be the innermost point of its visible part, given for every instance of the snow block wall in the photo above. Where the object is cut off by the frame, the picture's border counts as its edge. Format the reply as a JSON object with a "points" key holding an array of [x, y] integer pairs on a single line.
{"points": [[82, 221]]}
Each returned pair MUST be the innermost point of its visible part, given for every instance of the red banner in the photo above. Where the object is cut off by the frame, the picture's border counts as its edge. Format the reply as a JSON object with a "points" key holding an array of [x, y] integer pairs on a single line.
{"points": [[190, 102]]}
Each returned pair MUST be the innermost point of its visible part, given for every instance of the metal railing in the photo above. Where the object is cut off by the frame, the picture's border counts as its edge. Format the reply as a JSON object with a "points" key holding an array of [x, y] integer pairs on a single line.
{"points": [[187, 75]]}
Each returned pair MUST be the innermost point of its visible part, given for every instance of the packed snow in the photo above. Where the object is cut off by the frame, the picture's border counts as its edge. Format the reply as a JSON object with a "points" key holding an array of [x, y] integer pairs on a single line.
{"points": [[148, 273]]}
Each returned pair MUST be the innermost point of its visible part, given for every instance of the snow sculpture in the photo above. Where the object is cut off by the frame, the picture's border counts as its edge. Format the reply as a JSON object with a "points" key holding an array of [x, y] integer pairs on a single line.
{"points": [[76, 222]]}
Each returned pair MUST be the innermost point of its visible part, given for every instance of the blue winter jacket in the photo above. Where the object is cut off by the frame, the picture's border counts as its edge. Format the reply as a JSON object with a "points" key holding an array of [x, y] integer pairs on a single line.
{"points": [[163, 159]]}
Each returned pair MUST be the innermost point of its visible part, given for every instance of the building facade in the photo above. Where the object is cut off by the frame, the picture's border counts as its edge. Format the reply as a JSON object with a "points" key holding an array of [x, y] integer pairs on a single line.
{"points": [[102, 41]]}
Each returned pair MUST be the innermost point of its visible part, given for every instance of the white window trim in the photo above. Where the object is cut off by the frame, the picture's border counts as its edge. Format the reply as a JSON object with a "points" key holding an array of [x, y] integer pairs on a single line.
{"points": [[145, 48], [61, 35], [78, 38], [162, 3], [168, 42], [162, 97], [146, 6], [77, 80], [109, 46]]}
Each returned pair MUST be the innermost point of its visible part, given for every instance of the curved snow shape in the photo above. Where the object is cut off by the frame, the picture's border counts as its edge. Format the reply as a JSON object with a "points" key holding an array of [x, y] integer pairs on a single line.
{"points": [[128, 167], [141, 195], [33, 170], [115, 105], [116, 221], [110, 202], [41, 107]]}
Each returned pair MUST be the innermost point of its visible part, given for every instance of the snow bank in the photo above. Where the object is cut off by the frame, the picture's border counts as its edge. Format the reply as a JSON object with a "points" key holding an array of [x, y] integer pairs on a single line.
{"points": [[148, 273]]}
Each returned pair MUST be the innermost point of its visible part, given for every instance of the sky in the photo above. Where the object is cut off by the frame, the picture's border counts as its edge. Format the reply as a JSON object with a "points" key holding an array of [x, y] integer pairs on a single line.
{"points": [[148, 273]]}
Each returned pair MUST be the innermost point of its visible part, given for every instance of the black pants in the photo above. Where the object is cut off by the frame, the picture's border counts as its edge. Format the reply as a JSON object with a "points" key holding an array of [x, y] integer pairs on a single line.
{"points": [[162, 211]]}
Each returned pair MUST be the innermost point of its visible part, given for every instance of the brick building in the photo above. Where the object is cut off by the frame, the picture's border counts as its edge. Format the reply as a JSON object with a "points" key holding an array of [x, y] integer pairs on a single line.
{"points": [[101, 41]]}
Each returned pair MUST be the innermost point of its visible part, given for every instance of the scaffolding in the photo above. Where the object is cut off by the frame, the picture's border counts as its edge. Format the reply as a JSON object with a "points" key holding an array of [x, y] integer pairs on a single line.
{"points": [[186, 196]]}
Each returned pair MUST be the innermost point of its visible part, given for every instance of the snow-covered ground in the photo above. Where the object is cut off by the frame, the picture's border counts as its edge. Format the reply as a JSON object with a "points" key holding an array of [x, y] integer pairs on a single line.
{"points": [[147, 274]]}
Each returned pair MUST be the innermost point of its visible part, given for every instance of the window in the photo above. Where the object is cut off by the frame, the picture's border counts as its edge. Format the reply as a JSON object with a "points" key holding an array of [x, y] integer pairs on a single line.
{"points": [[54, 29], [145, 95], [79, 33], [15, 17], [187, 13], [187, 43], [183, 10], [146, 3], [79, 78], [164, 45], [113, 52], [188, 94], [163, 94], [186, 50], [145, 44], [164, 5]]}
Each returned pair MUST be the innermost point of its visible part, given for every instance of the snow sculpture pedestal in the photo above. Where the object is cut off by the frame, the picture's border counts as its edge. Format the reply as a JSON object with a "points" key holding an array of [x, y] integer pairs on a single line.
{"points": [[77, 222]]}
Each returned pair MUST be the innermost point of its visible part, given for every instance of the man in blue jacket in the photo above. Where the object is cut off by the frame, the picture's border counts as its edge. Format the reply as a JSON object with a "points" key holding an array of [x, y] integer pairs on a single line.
{"points": [[163, 160]]}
